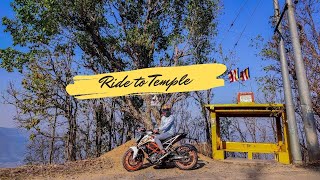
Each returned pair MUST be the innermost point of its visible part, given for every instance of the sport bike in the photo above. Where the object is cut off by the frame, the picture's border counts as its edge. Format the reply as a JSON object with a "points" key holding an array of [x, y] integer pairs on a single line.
{"points": [[184, 156]]}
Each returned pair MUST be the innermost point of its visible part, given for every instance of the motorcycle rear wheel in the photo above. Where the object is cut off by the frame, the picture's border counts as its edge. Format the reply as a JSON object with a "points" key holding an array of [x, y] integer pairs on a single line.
{"points": [[131, 164], [191, 162]]}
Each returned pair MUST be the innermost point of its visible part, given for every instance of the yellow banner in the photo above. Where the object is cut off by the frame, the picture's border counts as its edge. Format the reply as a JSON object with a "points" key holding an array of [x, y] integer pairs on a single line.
{"points": [[149, 80]]}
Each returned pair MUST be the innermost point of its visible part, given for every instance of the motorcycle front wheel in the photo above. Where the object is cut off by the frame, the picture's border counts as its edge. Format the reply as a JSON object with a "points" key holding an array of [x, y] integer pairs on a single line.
{"points": [[131, 164], [190, 162]]}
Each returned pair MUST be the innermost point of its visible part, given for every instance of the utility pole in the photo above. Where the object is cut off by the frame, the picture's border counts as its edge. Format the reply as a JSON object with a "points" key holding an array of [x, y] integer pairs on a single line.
{"points": [[303, 88], [292, 124]]}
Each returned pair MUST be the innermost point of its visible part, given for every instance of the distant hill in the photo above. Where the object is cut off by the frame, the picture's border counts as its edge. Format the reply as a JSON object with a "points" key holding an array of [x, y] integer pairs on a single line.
{"points": [[12, 146]]}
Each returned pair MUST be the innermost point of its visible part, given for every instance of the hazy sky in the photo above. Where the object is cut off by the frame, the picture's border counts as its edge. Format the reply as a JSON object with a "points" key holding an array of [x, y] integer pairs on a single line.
{"points": [[256, 24]]}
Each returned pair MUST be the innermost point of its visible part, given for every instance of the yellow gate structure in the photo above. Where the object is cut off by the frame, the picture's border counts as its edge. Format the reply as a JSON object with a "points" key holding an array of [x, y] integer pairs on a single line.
{"points": [[280, 149]]}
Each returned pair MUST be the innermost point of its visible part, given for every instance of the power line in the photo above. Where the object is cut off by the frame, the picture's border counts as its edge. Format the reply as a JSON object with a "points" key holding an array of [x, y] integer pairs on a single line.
{"points": [[241, 8], [234, 20], [249, 20]]}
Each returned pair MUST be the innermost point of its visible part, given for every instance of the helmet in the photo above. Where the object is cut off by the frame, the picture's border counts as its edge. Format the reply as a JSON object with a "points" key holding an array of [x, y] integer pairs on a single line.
{"points": [[166, 106], [166, 110]]}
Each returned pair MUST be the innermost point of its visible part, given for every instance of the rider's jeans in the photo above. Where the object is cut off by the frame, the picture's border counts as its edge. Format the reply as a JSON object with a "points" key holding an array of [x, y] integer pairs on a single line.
{"points": [[161, 136]]}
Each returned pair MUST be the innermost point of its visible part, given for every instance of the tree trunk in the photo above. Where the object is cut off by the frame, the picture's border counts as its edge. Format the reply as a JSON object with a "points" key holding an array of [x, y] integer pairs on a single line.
{"points": [[72, 134], [147, 121], [53, 137], [88, 154], [208, 125], [72, 148], [99, 116]]}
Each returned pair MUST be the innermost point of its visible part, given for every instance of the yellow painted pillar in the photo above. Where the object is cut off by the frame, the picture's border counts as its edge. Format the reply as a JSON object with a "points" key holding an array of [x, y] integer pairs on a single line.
{"points": [[219, 143], [279, 131], [285, 132], [216, 141], [213, 133], [284, 155]]}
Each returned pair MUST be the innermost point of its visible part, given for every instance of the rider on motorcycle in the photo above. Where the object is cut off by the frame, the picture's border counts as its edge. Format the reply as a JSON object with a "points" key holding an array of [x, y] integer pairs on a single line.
{"points": [[167, 127]]}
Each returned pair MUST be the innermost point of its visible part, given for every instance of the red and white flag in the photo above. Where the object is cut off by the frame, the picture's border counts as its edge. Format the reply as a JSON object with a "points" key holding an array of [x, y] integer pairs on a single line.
{"points": [[245, 75], [234, 75]]}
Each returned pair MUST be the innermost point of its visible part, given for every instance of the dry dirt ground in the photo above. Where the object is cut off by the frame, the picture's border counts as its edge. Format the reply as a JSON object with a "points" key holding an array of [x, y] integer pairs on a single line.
{"points": [[109, 166]]}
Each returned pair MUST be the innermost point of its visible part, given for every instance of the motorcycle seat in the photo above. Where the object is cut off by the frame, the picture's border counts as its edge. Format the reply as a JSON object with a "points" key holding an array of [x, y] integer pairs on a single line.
{"points": [[181, 134]]}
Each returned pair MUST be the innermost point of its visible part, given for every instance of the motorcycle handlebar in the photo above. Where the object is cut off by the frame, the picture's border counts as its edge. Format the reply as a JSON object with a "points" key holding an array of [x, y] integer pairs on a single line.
{"points": [[145, 130]]}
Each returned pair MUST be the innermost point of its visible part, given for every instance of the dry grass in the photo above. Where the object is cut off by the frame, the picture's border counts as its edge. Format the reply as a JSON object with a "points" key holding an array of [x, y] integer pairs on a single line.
{"points": [[109, 160], [22, 172]]}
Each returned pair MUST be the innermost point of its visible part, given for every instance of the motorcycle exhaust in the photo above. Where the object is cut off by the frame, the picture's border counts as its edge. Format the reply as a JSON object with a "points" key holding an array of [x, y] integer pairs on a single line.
{"points": [[179, 158]]}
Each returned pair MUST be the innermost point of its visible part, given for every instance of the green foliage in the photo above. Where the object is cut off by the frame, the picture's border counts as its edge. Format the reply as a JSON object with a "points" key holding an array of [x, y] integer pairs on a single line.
{"points": [[32, 136], [119, 34], [13, 59]]}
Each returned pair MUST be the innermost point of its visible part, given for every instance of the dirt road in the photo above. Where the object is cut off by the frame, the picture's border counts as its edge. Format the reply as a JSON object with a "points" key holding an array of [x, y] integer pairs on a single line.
{"points": [[209, 169], [109, 167]]}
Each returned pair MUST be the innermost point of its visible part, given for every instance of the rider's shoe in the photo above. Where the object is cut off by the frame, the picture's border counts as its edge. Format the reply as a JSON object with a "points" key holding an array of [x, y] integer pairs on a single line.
{"points": [[149, 160], [161, 165]]}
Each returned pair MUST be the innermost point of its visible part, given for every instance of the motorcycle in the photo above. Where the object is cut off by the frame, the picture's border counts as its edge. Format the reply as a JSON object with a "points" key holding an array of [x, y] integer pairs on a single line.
{"points": [[184, 156]]}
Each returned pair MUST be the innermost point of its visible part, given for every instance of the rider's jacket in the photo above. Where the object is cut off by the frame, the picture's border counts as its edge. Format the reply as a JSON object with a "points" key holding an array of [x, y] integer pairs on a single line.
{"points": [[167, 125]]}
